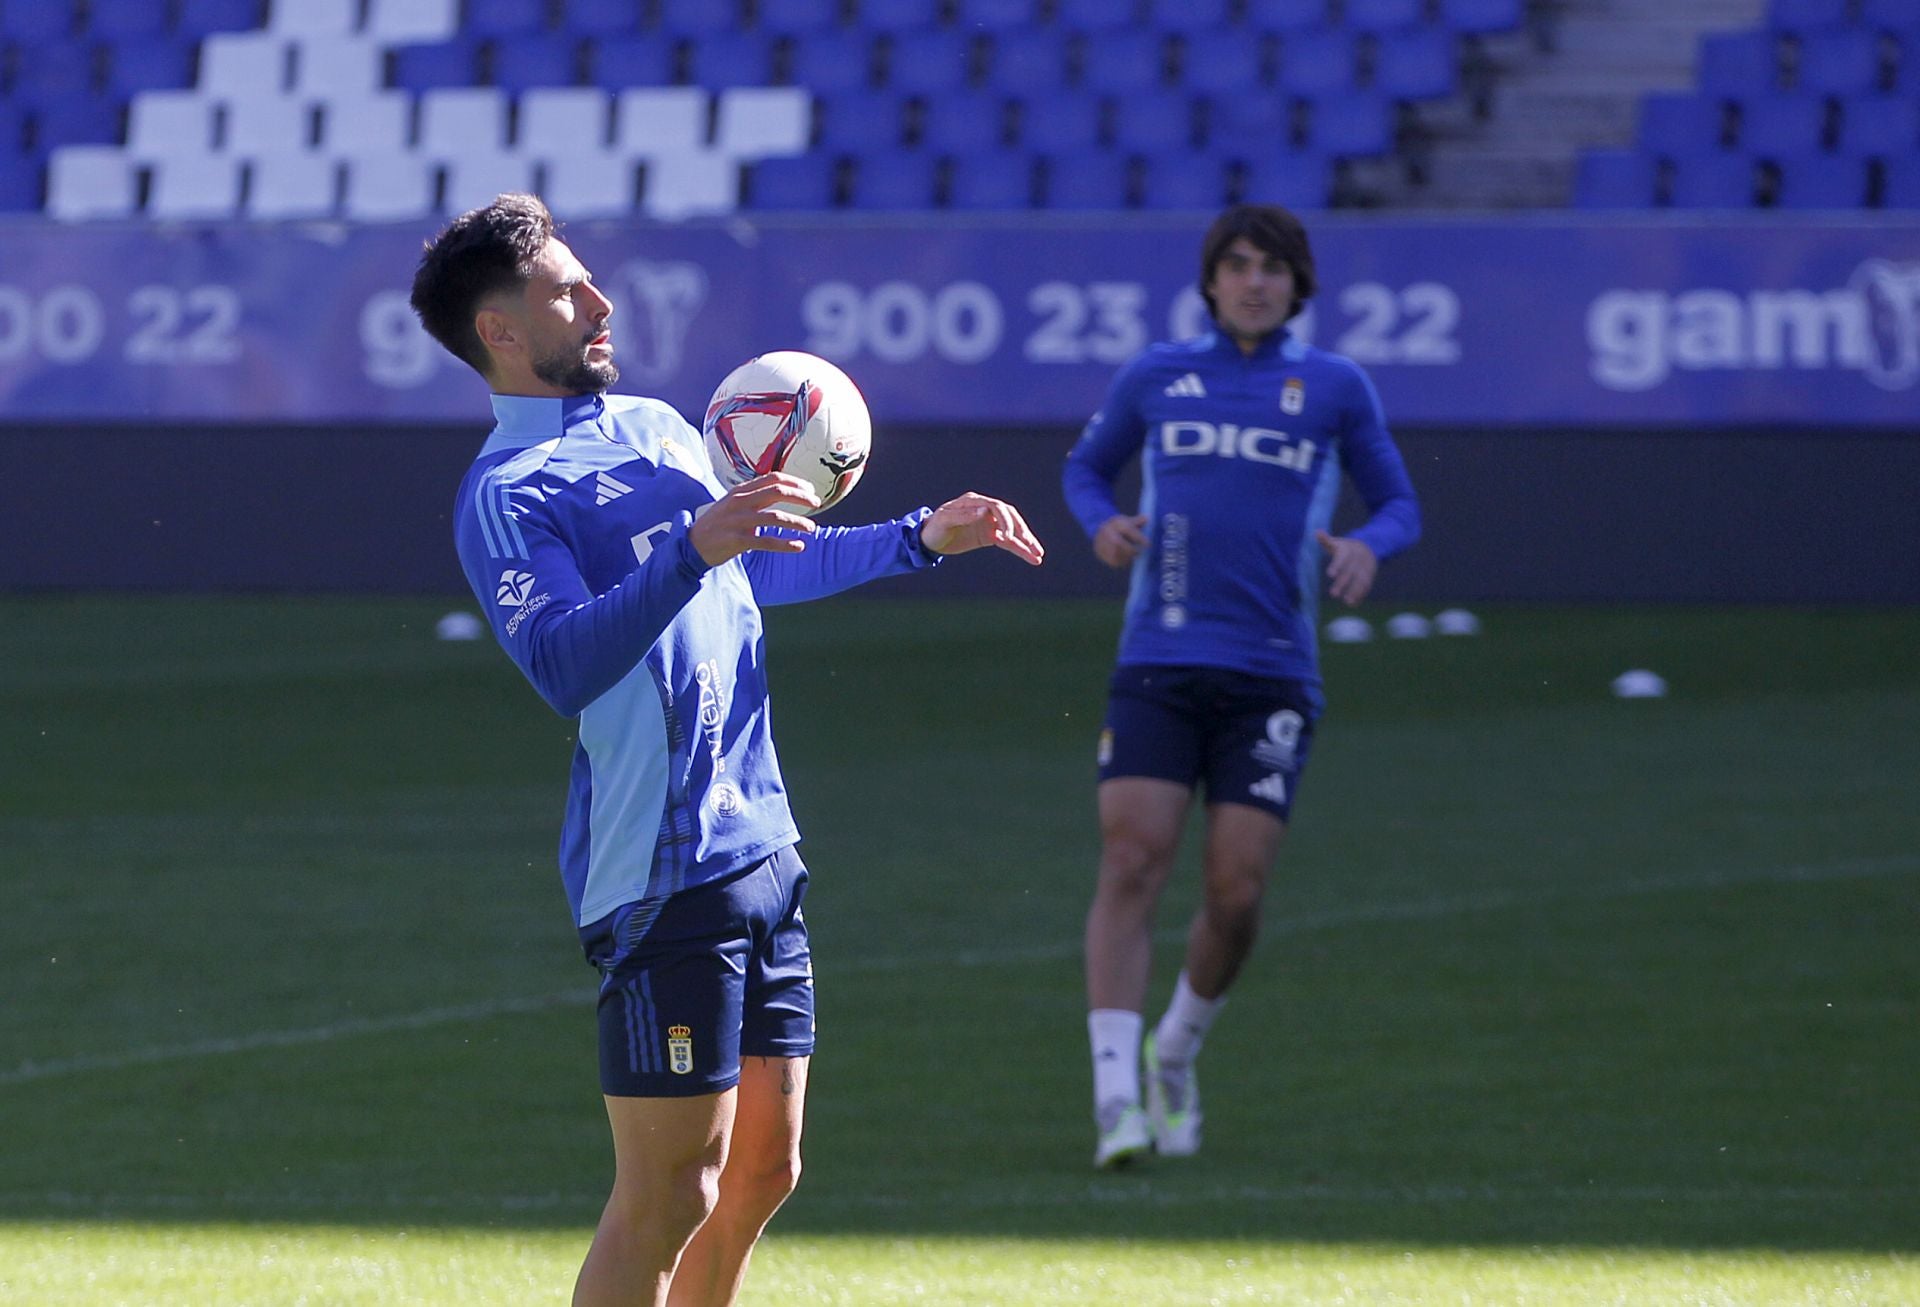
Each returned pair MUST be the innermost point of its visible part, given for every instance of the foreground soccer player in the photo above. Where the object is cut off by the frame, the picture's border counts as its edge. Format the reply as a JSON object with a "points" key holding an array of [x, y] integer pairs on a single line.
{"points": [[1243, 435], [626, 585]]}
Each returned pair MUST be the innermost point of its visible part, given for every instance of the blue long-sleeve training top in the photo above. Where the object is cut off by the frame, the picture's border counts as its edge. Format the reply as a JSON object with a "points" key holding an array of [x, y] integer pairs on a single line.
{"points": [[1241, 457], [571, 526]]}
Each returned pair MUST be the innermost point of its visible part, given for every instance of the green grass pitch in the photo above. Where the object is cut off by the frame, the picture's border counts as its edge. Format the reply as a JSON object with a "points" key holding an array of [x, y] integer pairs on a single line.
{"points": [[1561, 999]]}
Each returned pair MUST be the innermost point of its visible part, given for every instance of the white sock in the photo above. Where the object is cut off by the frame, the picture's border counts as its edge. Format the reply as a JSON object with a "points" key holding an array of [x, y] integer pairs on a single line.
{"points": [[1115, 1036], [1184, 1027]]}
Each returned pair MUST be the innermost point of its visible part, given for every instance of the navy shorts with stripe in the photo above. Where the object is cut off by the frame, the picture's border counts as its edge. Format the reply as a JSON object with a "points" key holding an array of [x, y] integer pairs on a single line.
{"points": [[691, 984], [1244, 737]]}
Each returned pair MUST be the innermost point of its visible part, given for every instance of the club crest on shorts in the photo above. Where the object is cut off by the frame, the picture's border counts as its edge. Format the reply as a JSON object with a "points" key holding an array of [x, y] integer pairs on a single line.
{"points": [[1293, 395], [680, 1050], [1283, 737]]}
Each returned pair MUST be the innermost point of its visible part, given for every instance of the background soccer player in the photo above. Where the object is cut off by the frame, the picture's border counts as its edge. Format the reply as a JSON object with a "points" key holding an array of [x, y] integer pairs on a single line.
{"points": [[626, 585], [1243, 434]]}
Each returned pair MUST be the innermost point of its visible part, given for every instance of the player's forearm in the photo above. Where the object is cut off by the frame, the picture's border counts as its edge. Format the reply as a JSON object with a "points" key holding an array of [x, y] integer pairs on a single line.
{"points": [[1089, 494], [838, 558]]}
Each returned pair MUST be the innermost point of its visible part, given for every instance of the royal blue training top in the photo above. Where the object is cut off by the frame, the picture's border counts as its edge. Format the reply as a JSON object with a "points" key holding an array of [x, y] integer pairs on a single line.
{"points": [[1241, 457], [571, 526]]}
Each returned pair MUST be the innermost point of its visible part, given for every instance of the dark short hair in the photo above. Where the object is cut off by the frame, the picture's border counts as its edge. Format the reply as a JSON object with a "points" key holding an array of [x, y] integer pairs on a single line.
{"points": [[482, 252], [1273, 230]]}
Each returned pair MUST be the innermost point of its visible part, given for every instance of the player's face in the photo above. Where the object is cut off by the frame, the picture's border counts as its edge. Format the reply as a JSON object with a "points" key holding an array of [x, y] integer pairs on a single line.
{"points": [[569, 346], [1252, 291]]}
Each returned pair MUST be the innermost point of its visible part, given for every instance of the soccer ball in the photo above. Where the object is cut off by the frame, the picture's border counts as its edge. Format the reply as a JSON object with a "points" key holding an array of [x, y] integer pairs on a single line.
{"points": [[789, 412]]}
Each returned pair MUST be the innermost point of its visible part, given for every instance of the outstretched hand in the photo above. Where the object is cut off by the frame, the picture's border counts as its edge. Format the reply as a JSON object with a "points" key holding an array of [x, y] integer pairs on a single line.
{"points": [[1350, 568], [974, 521], [731, 525]]}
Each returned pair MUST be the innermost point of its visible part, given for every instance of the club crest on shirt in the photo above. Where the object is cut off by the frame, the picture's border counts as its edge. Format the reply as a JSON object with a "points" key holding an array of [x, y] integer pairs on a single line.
{"points": [[1293, 395], [680, 1050]]}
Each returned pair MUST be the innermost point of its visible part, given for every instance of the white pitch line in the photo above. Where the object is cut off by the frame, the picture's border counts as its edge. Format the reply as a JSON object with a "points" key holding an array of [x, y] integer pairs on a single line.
{"points": [[1416, 910]]}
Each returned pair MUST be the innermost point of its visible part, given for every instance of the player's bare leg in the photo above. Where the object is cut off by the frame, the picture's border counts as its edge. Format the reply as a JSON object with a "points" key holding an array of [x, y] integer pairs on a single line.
{"points": [[763, 1165], [1140, 824], [668, 1154]]}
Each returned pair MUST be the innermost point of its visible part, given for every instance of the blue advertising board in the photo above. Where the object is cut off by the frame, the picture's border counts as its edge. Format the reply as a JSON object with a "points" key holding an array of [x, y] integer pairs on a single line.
{"points": [[1544, 321]]}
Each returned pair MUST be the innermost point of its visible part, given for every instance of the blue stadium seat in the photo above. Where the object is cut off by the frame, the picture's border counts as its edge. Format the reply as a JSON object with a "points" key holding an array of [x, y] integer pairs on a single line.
{"points": [[1123, 63], [1712, 181], [929, 61], [1383, 15], [966, 122], [829, 62], [433, 64], [999, 180], [1482, 17], [1822, 182], [1806, 15], [1839, 63], [1615, 179], [1351, 124], [204, 17], [1880, 125], [1892, 16], [548, 59], [125, 20], [1063, 123], [162, 63], [600, 17], [1189, 15], [857, 122], [1183, 181], [1095, 15], [1900, 183], [76, 120], [643, 59], [504, 17], [1152, 122], [996, 15], [1286, 15], [804, 181], [1293, 181], [1222, 61], [38, 21], [1738, 64], [898, 15], [1680, 124], [52, 69], [1242, 126], [1087, 181], [13, 129], [720, 60], [894, 179], [792, 17], [1416, 64], [1027, 61], [20, 184], [1782, 126], [1317, 62], [699, 18]]}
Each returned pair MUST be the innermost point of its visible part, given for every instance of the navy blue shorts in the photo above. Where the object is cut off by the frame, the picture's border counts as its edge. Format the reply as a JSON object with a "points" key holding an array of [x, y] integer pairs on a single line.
{"points": [[691, 984], [1244, 737]]}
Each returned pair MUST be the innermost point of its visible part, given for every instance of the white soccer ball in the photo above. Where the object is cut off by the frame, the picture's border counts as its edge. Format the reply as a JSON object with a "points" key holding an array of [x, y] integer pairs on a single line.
{"points": [[789, 412]]}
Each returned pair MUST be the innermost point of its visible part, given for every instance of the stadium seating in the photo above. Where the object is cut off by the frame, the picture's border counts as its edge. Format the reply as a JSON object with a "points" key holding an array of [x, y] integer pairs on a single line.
{"points": [[1821, 182], [1087, 181], [1713, 181], [999, 180], [1615, 179]]}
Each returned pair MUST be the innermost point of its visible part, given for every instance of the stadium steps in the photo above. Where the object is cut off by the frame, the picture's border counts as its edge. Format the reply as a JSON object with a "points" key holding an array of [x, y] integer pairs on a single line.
{"points": [[1577, 87]]}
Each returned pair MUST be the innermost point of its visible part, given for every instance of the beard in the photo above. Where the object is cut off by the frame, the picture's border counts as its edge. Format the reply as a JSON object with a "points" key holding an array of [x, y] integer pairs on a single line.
{"points": [[573, 371]]}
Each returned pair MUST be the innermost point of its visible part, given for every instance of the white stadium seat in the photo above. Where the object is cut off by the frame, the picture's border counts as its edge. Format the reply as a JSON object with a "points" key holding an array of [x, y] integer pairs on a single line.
{"points": [[689, 185], [194, 186], [660, 120], [381, 123], [313, 17], [165, 123], [292, 186], [91, 181], [757, 121], [243, 66], [558, 121], [388, 187], [456, 120], [335, 67], [400, 21], [264, 127], [590, 186], [475, 179]]}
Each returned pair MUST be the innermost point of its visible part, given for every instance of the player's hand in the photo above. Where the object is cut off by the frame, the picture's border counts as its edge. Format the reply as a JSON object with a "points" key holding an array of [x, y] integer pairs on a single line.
{"points": [[1120, 539], [974, 521], [1351, 567], [732, 524]]}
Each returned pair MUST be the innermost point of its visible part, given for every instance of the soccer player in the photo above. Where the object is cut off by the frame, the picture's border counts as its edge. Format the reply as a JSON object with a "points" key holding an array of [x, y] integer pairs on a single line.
{"points": [[626, 584], [1243, 435]]}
